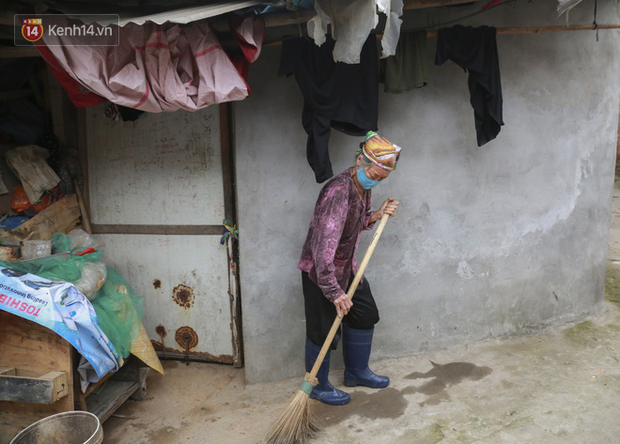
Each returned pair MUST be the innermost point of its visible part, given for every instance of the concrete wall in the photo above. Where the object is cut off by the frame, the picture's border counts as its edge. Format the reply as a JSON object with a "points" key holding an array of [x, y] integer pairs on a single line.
{"points": [[490, 241]]}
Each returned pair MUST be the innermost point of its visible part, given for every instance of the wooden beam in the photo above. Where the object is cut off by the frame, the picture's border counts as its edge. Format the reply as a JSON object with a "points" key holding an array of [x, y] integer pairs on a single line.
{"points": [[221, 25], [47, 389], [96, 385], [158, 229], [15, 94], [7, 18], [284, 18], [543, 29], [104, 403], [36, 91], [227, 169], [288, 18], [423, 4], [7, 52], [83, 211], [294, 18]]}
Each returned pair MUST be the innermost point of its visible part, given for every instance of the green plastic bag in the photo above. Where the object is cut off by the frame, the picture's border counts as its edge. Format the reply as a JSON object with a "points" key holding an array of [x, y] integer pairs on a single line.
{"points": [[119, 309]]}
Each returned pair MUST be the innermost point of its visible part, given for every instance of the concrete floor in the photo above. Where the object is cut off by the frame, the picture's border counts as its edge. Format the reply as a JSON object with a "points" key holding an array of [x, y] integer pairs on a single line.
{"points": [[558, 386]]}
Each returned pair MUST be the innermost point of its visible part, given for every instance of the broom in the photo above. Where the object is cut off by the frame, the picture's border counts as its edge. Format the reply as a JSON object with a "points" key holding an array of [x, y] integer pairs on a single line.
{"points": [[296, 424]]}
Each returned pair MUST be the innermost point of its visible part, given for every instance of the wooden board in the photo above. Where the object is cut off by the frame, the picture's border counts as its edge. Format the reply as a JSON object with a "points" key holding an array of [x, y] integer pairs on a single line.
{"points": [[60, 217], [30, 165], [34, 351], [47, 389], [113, 394]]}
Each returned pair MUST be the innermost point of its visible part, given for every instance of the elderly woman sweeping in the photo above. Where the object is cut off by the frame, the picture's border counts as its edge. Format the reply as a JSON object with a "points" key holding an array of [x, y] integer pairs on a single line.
{"points": [[328, 266]]}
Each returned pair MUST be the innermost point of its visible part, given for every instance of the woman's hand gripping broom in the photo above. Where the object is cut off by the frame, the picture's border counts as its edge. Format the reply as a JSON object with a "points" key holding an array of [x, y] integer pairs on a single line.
{"points": [[296, 424]]}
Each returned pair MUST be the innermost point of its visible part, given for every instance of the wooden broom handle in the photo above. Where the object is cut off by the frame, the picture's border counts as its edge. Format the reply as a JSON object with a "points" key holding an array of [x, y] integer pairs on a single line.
{"points": [[350, 293]]}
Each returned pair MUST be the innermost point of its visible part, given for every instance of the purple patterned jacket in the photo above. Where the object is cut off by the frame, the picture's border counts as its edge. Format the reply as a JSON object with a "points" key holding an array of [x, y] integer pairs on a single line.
{"points": [[328, 256]]}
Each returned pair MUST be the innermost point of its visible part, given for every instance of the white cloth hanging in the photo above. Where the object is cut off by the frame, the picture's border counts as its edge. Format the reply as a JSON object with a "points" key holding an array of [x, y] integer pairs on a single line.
{"points": [[351, 22]]}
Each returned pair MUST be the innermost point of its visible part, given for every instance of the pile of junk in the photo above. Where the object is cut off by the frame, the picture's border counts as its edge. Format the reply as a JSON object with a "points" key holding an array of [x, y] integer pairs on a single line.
{"points": [[56, 288]]}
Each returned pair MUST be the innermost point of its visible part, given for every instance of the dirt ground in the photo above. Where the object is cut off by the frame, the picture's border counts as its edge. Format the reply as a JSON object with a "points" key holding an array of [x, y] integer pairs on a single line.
{"points": [[560, 386]]}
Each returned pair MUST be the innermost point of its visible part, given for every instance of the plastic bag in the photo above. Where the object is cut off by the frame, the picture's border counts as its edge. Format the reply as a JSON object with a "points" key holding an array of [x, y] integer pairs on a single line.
{"points": [[21, 204], [120, 309], [8, 223], [19, 200], [80, 239], [92, 279], [60, 243]]}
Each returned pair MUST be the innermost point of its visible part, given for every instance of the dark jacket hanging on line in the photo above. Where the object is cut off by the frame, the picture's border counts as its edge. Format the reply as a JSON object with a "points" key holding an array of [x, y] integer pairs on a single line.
{"points": [[336, 95], [475, 50]]}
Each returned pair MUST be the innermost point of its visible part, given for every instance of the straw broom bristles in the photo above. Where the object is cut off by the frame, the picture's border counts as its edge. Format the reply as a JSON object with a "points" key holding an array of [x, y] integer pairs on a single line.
{"points": [[296, 424]]}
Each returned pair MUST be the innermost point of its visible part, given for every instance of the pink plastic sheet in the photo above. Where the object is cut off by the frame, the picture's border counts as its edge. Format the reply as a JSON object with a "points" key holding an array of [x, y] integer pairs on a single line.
{"points": [[156, 67]]}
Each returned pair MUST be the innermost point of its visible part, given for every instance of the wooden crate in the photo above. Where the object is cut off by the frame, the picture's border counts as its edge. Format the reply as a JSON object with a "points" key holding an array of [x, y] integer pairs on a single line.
{"points": [[30, 350], [34, 351]]}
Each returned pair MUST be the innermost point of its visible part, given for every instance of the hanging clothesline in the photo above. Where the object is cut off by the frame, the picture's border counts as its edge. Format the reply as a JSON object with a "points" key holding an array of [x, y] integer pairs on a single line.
{"points": [[544, 29], [7, 52], [512, 31]]}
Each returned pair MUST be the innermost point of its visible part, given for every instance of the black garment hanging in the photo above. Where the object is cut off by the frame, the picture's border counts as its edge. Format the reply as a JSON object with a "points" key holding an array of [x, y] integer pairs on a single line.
{"points": [[475, 50], [129, 114], [336, 95]]}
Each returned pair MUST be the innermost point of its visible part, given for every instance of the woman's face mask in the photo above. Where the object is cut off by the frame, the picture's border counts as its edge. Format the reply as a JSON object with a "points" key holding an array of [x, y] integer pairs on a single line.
{"points": [[365, 181]]}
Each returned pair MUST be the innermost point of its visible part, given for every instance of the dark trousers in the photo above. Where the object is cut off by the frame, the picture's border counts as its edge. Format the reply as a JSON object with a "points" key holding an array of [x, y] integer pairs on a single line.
{"points": [[321, 312]]}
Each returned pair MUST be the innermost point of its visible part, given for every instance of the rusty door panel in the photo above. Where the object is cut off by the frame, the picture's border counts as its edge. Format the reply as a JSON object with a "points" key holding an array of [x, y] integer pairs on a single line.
{"points": [[191, 296]]}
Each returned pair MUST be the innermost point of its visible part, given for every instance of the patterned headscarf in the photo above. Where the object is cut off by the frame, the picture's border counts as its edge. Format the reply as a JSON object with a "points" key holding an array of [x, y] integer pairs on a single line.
{"points": [[380, 151]]}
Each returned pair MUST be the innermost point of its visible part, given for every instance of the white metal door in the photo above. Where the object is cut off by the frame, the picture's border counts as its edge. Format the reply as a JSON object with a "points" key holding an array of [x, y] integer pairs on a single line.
{"points": [[158, 196]]}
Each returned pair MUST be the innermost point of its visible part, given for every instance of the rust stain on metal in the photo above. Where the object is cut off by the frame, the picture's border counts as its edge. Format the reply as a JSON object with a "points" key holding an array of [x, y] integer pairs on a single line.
{"points": [[186, 336], [173, 353], [161, 331], [156, 284], [183, 295]]}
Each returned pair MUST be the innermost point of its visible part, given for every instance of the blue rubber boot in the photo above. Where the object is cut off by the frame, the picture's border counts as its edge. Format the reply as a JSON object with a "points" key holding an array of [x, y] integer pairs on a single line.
{"points": [[356, 346], [323, 391]]}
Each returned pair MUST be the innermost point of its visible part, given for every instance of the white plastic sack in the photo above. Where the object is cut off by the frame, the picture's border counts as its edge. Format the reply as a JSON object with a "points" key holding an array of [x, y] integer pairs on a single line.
{"points": [[80, 239], [351, 22], [93, 277]]}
